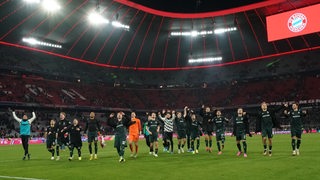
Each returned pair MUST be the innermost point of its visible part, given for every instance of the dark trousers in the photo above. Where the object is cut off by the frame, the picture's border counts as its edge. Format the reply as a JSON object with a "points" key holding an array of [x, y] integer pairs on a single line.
{"points": [[25, 143]]}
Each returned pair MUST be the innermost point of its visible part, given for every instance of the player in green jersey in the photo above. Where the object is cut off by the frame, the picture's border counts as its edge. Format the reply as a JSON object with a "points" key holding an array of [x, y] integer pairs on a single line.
{"points": [[296, 124], [153, 128], [240, 130], [219, 122]]}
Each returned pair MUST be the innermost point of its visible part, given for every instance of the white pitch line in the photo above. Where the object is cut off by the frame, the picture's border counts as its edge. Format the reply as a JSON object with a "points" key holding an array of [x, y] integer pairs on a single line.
{"points": [[22, 178]]}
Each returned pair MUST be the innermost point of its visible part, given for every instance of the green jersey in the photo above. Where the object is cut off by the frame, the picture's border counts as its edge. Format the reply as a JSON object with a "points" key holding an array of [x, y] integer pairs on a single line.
{"points": [[220, 123], [296, 119], [266, 120], [153, 126], [180, 123], [51, 133], [241, 125]]}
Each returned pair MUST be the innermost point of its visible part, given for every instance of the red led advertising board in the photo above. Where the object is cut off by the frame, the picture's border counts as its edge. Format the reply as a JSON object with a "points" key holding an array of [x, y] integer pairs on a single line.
{"points": [[294, 23]]}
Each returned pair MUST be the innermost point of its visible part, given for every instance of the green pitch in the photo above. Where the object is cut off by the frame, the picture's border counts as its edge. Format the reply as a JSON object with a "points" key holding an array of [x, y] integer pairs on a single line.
{"points": [[282, 165]]}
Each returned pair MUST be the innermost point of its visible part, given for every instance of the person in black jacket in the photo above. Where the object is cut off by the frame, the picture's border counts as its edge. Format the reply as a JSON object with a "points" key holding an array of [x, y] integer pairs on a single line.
{"points": [[240, 130], [120, 123], [75, 138]]}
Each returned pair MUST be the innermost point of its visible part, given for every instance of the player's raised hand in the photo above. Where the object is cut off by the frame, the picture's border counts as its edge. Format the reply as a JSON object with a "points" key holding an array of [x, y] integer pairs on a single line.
{"points": [[111, 115]]}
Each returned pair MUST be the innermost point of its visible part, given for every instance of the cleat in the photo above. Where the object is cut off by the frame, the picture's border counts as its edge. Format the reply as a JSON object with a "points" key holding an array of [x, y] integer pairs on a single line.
{"points": [[190, 150], [151, 153], [135, 155], [121, 159], [297, 152], [79, 158], [29, 156], [197, 151], [70, 158], [264, 152], [24, 158], [179, 151], [270, 153], [155, 155], [52, 158], [91, 157], [239, 153], [222, 146], [58, 158], [131, 155], [245, 155], [210, 150], [96, 156], [193, 152], [220, 152], [182, 151], [294, 153]]}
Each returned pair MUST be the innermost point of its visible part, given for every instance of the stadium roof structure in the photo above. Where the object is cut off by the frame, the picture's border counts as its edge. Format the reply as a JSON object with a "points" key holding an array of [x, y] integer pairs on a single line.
{"points": [[140, 35]]}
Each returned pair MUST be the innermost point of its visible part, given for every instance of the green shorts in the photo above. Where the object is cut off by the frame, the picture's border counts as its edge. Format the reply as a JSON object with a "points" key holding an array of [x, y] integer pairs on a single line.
{"points": [[220, 136], [296, 132], [153, 137], [92, 136], [267, 132], [182, 134], [240, 136], [50, 143]]}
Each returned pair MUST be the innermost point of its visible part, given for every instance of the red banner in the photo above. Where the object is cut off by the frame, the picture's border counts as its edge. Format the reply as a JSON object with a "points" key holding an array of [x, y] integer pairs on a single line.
{"points": [[294, 23]]}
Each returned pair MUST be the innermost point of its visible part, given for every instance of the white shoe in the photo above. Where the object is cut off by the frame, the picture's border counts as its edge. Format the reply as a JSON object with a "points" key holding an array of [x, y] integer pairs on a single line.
{"points": [[79, 158], [265, 152], [197, 151], [151, 153], [52, 158], [297, 152], [294, 153], [95, 156], [121, 159], [182, 151], [193, 152], [135, 155], [58, 158], [179, 151], [155, 155]]}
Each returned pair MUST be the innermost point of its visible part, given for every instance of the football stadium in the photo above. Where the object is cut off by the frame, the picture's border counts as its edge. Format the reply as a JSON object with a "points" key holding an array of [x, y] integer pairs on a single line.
{"points": [[159, 89]]}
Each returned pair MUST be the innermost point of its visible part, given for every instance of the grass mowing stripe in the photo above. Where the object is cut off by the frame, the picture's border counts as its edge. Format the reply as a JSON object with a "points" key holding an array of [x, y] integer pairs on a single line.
{"points": [[22, 178]]}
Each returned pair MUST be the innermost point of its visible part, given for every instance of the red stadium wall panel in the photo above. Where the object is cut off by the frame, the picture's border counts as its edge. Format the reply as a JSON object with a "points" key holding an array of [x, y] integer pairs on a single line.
{"points": [[294, 23]]}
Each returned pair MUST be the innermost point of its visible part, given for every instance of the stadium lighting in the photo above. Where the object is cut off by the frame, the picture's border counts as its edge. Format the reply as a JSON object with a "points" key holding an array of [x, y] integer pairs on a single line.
{"points": [[51, 5], [96, 18], [119, 25], [33, 41], [203, 33], [191, 33], [223, 30], [204, 60], [32, 1]]}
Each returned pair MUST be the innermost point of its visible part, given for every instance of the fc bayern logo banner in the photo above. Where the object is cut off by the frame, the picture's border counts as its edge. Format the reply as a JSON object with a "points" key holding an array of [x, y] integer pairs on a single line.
{"points": [[297, 22]]}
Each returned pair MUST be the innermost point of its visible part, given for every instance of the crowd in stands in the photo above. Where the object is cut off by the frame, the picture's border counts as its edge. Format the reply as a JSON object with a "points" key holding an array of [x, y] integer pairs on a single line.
{"points": [[49, 92]]}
